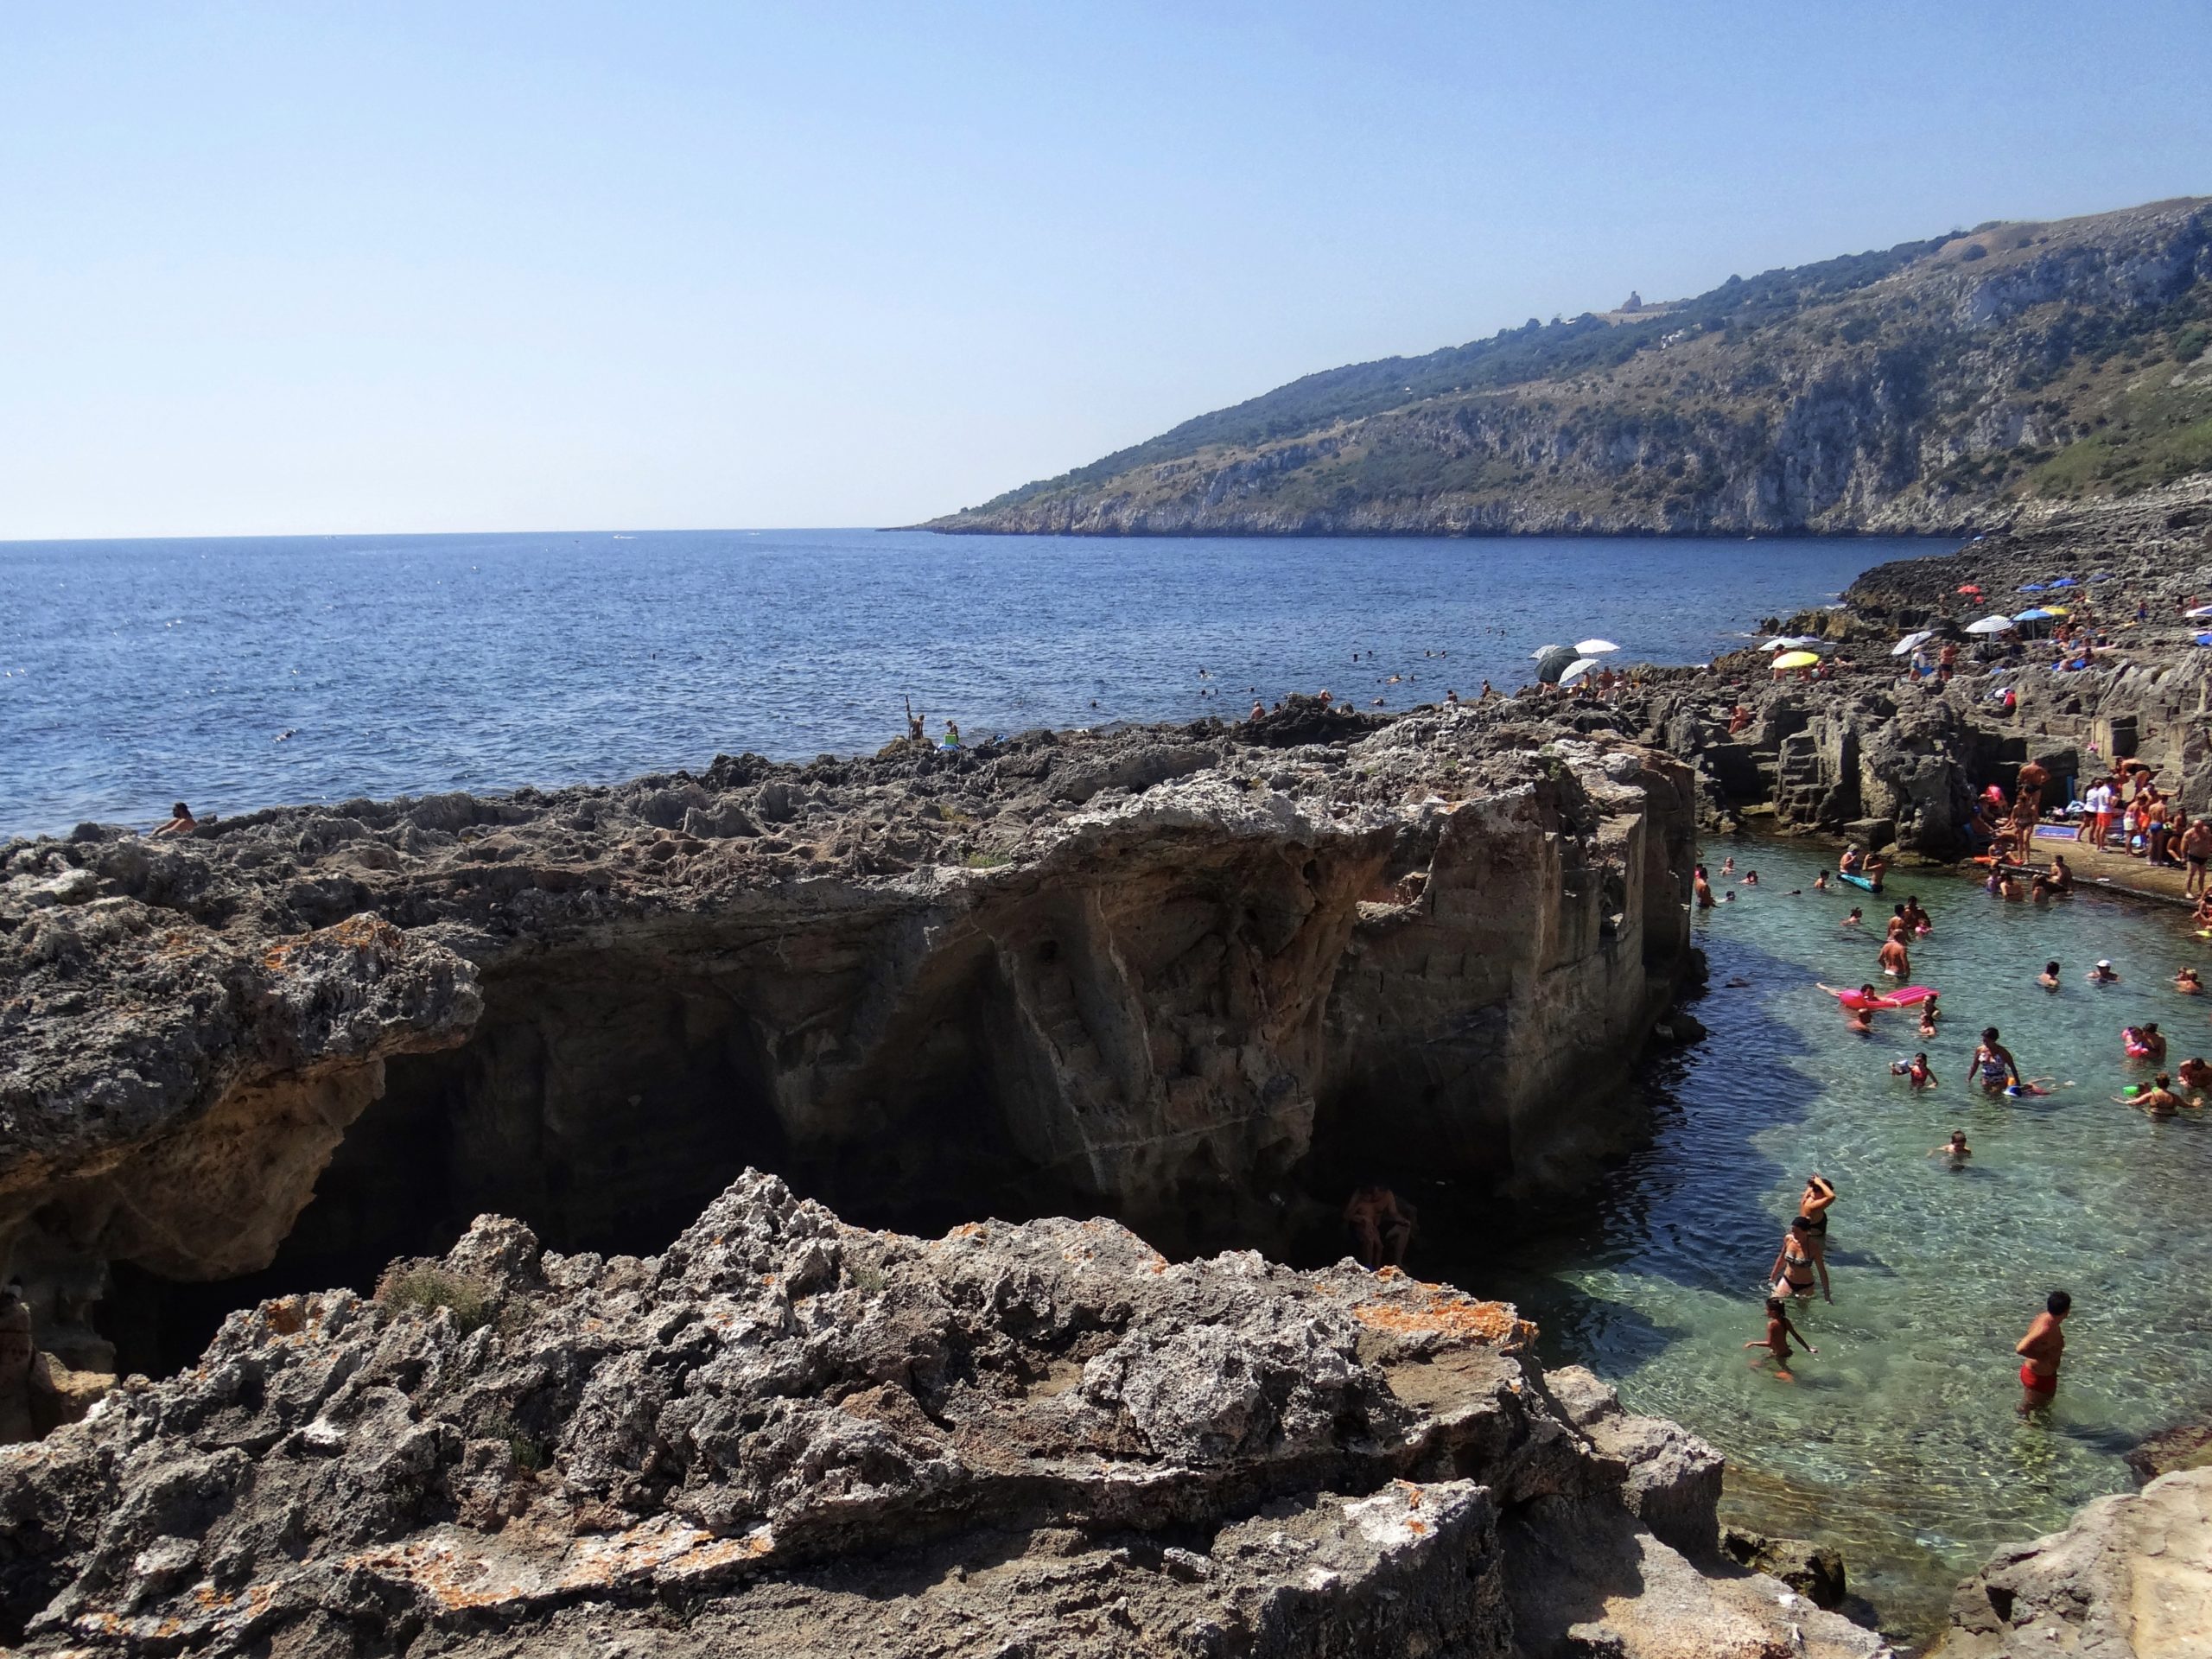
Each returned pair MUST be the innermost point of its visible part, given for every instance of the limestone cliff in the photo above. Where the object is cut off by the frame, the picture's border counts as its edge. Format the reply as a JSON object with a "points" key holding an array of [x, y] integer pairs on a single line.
{"points": [[787, 1435], [1201, 979], [1934, 386]]}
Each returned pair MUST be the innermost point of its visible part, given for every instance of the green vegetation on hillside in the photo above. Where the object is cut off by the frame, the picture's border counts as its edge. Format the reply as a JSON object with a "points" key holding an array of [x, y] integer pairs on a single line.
{"points": [[1909, 386]]}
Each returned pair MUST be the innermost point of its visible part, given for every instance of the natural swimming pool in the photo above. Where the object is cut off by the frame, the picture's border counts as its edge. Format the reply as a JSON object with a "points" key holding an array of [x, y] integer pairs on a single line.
{"points": [[1899, 1442]]}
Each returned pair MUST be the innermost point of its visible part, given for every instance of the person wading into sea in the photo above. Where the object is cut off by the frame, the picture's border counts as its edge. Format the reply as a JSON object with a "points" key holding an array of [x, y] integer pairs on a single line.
{"points": [[1812, 1210], [2040, 1350]]}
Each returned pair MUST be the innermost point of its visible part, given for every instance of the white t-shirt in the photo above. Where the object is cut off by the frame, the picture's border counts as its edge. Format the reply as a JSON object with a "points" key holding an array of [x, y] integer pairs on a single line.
{"points": [[2098, 799]]}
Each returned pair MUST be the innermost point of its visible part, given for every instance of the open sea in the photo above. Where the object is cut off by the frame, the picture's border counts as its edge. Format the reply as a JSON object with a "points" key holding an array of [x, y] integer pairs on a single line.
{"points": [[133, 674]]}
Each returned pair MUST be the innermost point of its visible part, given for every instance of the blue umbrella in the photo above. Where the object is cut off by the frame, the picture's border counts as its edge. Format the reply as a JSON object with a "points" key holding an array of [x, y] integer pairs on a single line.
{"points": [[2036, 615], [2204, 638], [2032, 588], [2066, 581]]}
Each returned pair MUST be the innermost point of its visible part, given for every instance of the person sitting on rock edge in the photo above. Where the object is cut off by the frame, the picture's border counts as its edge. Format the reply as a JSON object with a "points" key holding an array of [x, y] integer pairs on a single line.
{"points": [[181, 823], [1382, 1227]]}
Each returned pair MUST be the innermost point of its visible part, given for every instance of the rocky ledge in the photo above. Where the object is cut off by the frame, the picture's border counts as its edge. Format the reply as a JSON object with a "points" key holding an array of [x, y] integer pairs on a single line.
{"points": [[790, 1435], [1199, 978], [2131, 1579]]}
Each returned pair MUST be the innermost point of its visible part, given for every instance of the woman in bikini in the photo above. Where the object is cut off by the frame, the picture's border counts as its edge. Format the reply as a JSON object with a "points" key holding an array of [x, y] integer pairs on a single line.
{"points": [[1793, 1271], [1812, 1210], [1994, 1063]]}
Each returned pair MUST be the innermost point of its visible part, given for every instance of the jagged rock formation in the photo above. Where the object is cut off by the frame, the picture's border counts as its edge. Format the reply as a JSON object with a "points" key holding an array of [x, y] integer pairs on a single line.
{"points": [[1199, 978], [2129, 1578], [1936, 386], [789, 1435]]}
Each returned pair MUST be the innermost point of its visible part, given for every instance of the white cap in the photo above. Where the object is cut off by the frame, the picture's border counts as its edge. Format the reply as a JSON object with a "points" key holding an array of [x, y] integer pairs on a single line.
{"points": [[2104, 961]]}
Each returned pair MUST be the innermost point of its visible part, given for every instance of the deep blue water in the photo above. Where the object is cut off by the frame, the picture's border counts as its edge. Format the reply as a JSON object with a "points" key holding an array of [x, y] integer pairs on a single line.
{"points": [[135, 673]]}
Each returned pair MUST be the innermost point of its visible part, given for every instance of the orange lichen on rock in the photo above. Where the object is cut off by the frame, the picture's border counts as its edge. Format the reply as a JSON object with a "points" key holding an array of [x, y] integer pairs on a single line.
{"points": [[1438, 1312]]}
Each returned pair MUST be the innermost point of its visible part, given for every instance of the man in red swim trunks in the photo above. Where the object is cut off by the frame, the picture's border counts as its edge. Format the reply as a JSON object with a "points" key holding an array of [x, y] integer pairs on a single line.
{"points": [[2039, 1353]]}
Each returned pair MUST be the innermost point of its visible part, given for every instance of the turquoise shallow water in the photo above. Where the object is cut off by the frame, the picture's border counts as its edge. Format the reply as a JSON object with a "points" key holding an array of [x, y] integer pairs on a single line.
{"points": [[1899, 1442]]}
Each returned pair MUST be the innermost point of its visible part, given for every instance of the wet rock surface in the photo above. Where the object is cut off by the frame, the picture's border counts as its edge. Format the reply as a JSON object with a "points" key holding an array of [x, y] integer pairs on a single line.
{"points": [[1197, 977], [785, 1433]]}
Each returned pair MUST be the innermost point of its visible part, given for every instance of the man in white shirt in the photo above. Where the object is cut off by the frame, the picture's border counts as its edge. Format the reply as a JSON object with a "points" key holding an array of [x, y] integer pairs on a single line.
{"points": [[2099, 803]]}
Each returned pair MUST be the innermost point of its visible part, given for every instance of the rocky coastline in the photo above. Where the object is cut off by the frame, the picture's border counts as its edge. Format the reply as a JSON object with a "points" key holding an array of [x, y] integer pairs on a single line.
{"points": [[1199, 979], [1193, 981]]}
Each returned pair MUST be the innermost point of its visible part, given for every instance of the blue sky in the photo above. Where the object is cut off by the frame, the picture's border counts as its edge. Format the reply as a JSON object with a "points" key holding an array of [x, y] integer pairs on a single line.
{"points": [[305, 267]]}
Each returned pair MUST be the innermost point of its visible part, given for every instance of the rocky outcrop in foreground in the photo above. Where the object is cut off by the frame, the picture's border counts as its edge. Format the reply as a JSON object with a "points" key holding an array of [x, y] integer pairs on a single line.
{"points": [[789, 1435], [1200, 978], [2131, 1579]]}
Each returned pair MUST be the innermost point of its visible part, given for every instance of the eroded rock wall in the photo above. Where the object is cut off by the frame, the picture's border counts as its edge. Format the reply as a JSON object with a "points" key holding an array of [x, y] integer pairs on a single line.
{"points": [[1135, 971]]}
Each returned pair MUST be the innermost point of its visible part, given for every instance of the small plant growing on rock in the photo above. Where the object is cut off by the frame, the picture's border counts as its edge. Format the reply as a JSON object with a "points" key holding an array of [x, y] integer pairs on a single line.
{"points": [[527, 1455], [867, 1280], [424, 1290]]}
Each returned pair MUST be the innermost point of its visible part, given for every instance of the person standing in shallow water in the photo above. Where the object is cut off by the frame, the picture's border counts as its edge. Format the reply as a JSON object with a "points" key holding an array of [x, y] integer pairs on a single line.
{"points": [[2040, 1352], [1779, 1331], [1812, 1210]]}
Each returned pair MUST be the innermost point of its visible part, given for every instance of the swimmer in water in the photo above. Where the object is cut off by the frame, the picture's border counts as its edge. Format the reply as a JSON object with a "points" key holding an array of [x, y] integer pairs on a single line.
{"points": [[1813, 1205], [1794, 1272], [1993, 1063], [2048, 978], [2196, 1074], [1860, 1020], [1820, 882], [2187, 982], [1750, 878], [1917, 916], [2102, 973], [1916, 1069], [1728, 865], [2040, 1352], [1728, 897], [1928, 1019], [1700, 887], [1851, 920], [2160, 1100], [1955, 1149], [1779, 1332], [1895, 960], [1898, 926]]}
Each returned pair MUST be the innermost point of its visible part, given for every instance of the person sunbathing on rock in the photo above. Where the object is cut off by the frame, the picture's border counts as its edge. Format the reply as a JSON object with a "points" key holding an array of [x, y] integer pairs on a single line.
{"points": [[181, 823], [1381, 1226]]}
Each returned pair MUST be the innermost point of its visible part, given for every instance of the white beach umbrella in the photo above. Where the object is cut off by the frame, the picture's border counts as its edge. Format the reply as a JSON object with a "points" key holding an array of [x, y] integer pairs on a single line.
{"points": [[1912, 642], [2202, 610], [1542, 652], [1595, 647], [1578, 667], [1991, 625]]}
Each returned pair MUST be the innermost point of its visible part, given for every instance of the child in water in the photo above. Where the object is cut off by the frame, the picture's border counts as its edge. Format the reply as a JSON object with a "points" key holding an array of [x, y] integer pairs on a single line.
{"points": [[1954, 1149], [1916, 1069], [2187, 982], [1779, 1331], [1820, 882], [2048, 978], [1750, 878], [1928, 1019], [1854, 919]]}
